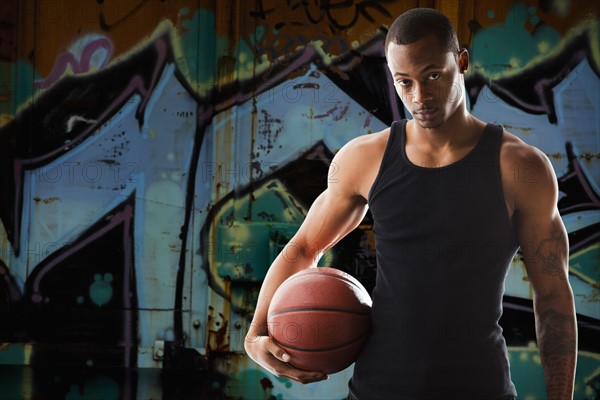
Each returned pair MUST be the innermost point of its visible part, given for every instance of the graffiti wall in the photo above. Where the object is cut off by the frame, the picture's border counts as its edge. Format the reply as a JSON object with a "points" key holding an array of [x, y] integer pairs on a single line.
{"points": [[156, 155]]}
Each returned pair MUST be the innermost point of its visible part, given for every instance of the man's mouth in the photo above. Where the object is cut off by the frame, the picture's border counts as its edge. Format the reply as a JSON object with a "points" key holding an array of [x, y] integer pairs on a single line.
{"points": [[425, 113]]}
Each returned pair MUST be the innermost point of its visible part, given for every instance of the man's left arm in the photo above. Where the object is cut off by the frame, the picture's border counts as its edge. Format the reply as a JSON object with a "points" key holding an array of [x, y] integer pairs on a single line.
{"points": [[545, 249]]}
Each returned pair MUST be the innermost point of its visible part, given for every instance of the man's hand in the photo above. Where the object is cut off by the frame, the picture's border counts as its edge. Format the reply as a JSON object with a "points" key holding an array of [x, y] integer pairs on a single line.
{"points": [[274, 359]]}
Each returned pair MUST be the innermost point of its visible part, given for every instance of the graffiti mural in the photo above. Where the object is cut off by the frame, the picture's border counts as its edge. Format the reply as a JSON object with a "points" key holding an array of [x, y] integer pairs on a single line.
{"points": [[155, 156]]}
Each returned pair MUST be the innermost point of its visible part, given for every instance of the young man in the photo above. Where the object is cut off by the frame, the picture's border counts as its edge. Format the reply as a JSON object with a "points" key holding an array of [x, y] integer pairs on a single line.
{"points": [[451, 204]]}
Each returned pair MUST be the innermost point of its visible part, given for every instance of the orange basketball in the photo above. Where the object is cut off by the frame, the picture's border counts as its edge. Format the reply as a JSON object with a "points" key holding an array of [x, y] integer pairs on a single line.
{"points": [[321, 318]]}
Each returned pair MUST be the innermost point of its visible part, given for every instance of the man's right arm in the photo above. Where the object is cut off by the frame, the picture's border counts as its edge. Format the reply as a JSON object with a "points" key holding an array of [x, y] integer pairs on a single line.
{"points": [[335, 213]]}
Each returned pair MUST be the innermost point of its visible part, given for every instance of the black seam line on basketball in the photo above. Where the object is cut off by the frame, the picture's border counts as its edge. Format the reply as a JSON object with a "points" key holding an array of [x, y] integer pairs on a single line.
{"points": [[319, 350], [328, 274], [328, 309]]}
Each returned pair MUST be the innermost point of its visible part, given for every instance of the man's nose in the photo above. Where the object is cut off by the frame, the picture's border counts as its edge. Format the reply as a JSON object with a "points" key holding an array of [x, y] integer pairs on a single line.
{"points": [[421, 95]]}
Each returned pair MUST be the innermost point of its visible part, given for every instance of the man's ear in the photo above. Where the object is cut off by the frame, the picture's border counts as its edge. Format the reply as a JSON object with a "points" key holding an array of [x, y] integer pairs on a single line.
{"points": [[463, 60]]}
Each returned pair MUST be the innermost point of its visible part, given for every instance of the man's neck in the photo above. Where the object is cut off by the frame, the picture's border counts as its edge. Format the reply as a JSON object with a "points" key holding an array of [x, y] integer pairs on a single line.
{"points": [[461, 129]]}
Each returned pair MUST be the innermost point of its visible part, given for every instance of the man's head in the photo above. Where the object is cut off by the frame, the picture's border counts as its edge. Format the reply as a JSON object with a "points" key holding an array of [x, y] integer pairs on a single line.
{"points": [[427, 66], [417, 23]]}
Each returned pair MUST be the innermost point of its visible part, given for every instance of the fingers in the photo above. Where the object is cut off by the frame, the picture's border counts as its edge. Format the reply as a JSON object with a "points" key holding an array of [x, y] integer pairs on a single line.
{"points": [[284, 369], [276, 351], [274, 359], [287, 371]]}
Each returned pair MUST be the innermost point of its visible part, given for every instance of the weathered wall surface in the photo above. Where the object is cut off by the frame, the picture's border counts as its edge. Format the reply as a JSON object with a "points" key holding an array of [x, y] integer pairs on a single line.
{"points": [[156, 155]]}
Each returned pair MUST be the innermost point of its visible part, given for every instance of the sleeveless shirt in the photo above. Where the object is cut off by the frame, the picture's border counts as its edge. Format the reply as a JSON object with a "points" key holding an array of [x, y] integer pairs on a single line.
{"points": [[444, 243]]}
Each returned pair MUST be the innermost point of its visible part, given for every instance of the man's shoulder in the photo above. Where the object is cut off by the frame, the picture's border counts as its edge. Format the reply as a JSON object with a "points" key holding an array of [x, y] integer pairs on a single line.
{"points": [[526, 170], [514, 150], [365, 146], [371, 139], [356, 164]]}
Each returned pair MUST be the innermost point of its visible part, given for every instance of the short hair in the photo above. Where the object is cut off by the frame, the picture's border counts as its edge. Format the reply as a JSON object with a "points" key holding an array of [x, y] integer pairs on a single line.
{"points": [[417, 23]]}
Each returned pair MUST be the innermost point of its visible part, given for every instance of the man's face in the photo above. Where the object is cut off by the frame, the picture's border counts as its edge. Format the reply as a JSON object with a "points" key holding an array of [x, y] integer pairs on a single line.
{"points": [[428, 80]]}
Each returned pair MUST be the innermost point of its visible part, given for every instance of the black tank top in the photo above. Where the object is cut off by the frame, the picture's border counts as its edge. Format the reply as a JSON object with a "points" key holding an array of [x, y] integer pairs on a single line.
{"points": [[444, 243]]}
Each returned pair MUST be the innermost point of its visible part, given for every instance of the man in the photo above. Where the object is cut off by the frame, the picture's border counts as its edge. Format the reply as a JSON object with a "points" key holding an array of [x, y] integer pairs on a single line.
{"points": [[452, 199]]}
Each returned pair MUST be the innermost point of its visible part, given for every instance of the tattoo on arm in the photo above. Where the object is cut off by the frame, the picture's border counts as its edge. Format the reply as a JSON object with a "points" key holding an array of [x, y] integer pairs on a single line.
{"points": [[551, 253], [556, 333], [557, 344]]}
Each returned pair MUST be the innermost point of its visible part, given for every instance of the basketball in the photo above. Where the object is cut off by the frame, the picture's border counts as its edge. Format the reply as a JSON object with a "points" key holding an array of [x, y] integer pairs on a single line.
{"points": [[321, 318]]}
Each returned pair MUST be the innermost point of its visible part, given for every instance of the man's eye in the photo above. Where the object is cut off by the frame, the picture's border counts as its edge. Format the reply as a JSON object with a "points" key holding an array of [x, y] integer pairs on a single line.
{"points": [[433, 77], [403, 82]]}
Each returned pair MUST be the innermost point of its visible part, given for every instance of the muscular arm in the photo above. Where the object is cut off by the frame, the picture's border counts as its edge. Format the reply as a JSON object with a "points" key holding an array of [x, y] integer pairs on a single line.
{"points": [[330, 217], [556, 325], [336, 212], [545, 249]]}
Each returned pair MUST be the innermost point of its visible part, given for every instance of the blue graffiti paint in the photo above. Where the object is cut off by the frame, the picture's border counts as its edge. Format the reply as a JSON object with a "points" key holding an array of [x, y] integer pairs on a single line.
{"points": [[509, 46], [101, 290], [21, 92]]}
